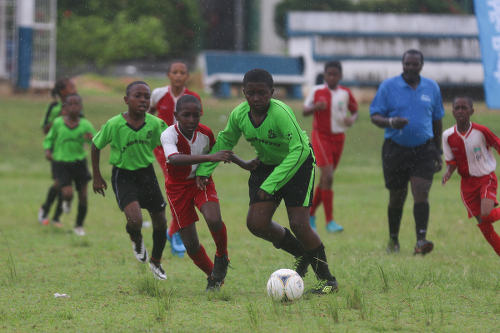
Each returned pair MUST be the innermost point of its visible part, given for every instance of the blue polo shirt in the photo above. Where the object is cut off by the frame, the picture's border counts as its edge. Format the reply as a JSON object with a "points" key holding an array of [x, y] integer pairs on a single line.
{"points": [[421, 106]]}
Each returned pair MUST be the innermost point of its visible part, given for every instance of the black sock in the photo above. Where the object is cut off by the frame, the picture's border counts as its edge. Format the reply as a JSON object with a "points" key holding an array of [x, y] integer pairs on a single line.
{"points": [[82, 212], [421, 214], [394, 214], [58, 211], [51, 196], [317, 258], [135, 234], [159, 240], [290, 244]]}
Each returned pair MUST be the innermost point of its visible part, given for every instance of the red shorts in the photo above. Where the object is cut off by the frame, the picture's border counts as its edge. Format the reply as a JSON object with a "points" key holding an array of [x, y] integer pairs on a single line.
{"points": [[473, 189], [183, 198], [327, 148]]}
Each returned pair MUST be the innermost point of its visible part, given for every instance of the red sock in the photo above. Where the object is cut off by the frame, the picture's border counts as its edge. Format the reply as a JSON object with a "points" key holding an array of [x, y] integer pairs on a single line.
{"points": [[327, 196], [490, 235], [316, 201], [201, 260], [492, 217], [220, 239]]}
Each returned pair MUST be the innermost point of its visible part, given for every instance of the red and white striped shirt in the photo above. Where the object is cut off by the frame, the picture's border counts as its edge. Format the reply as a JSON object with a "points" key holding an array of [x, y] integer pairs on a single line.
{"points": [[470, 152], [164, 101], [174, 142]]}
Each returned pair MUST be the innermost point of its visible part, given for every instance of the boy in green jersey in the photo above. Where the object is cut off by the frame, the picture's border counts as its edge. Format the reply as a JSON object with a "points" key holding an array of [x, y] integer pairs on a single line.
{"points": [[62, 88], [286, 172], [64, 148], [132, 136]]}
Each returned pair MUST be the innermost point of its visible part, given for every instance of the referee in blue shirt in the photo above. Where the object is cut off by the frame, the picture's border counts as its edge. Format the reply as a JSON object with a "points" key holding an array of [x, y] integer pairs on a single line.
{"points": [[409, 107]]}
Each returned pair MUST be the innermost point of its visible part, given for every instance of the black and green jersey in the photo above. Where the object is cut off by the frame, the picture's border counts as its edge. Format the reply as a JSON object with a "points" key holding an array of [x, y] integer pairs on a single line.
{"points": [[278, 140], [131, 149], [67, 143], [52, 113]]}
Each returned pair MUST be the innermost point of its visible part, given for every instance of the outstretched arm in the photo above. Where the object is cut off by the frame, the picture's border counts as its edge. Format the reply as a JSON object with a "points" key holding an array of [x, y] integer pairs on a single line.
{"points": [[184, 159], [247, 165], [450, 168], [99, 184]]}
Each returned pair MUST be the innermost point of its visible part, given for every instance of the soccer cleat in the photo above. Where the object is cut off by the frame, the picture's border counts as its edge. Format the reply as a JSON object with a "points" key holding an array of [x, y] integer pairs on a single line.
{"points": [[312, 222], [140, 252], [392, 246], [423, 247], [79, 231], [41, 215], [220, 270], [324, 287], [66, 206], [213, 285], [176, 244], [158, 271], [333, 227], [57, 224], [300, 265], [45, 221]]}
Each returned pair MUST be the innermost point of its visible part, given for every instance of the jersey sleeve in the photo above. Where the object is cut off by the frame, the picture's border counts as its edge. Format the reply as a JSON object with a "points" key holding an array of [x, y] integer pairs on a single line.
{"points": [[449, 157], [353, 104], [226, 140], [162, 126], [48, 141], [298, 151], [491, 139], [379, 103], [309, 101], [103, 137], [169, 143]]}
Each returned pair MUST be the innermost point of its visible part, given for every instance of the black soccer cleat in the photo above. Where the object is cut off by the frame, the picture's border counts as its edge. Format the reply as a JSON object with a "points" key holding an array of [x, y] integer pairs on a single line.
{"points": [[213, 285], [324, 287], [423, 247], [392, 246], [220, 269], [300, 265]]}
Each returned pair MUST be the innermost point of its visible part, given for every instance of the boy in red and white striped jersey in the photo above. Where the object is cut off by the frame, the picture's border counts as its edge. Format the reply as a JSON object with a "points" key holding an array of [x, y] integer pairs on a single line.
{"points": [[467, 148]]}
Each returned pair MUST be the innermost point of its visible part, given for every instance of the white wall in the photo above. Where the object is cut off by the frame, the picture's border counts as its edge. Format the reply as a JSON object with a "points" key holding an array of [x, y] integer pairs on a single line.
{"points": [[270, 42]]}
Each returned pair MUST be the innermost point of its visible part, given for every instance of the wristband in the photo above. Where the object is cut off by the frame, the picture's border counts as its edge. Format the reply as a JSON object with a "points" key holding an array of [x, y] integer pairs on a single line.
{"points": [[390, 122]]}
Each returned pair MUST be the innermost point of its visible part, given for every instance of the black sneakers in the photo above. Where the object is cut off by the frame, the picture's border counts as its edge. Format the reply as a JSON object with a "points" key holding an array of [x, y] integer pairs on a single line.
{"points": [[423, 247], [300, 265], [324, 287], [140, 251], [392, 246], [216, 279]]}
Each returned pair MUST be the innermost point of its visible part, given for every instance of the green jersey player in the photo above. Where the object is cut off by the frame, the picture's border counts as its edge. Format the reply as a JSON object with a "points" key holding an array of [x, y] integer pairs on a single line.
{"points": [[132, 137], [285, 171]]}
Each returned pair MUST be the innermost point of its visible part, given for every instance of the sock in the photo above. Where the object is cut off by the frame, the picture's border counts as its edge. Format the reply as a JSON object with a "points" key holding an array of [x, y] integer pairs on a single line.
{"points": [[290, 244], [394, 215], [421, 215], [82, 212], [317, 258], [492, 217], [159, 241], [490, 235], [220, 239], [327, 197], [316, 201], [51, 196], [201, 260], [135, 235], [58, 211]]}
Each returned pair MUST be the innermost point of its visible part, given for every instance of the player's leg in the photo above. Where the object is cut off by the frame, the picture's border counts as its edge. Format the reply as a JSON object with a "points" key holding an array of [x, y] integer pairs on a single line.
{"points": [[486, 228], [52, 194], [326, 188], [195, 250], [322, 159], [82, 208]]}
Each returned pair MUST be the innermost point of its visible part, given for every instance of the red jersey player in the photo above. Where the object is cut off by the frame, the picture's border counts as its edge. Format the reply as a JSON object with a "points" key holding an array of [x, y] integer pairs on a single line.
{"points": [[185, 145], [466, 148], [329, 104], [163, 101]]}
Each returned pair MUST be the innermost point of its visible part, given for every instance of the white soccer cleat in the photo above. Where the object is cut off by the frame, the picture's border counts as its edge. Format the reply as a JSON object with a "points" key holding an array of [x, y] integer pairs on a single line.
{"points": [[141, 253], [41, 213], [79, 231], [158, 271]]}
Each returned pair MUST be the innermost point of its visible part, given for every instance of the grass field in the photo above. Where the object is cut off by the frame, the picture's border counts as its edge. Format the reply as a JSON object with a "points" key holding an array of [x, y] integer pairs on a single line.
{"points": [[456, 288]]}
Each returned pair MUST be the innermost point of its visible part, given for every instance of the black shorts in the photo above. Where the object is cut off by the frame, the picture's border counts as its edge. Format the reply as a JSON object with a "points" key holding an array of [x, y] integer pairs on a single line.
{"points": [[298, 192], [67, 172], [400, 163], [137, 185]]}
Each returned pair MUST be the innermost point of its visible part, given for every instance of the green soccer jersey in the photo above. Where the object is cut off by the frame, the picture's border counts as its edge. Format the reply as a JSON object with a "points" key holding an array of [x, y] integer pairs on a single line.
{"points": [[278, 140], [52, 113], [67, 143], [131, 149]]}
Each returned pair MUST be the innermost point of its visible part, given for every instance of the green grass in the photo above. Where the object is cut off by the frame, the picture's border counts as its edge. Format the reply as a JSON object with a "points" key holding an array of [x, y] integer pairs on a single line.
{"points": [[455, 288]]}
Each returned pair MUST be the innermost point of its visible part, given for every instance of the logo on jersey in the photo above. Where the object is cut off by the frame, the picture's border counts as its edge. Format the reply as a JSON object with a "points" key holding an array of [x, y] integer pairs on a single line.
{"points": [[425, 98], [271, 134], [477, 153]]}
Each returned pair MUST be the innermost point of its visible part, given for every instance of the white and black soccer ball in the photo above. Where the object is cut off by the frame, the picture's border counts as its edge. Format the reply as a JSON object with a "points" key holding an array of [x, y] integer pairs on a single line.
{"points": [[285, 285]]}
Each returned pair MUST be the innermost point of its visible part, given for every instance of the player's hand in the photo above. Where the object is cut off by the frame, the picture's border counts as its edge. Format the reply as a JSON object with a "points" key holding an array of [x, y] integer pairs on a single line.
{"points": [[201, 182], [99, 185], [398, 122], [252, 164], [88, 136], [48, 155], [349, 121], [263, 195], [446, 177], [222, 156]]}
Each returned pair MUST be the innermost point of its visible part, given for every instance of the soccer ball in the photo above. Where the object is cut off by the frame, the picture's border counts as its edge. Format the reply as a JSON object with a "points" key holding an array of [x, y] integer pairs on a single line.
{"points": [[285, 285]]}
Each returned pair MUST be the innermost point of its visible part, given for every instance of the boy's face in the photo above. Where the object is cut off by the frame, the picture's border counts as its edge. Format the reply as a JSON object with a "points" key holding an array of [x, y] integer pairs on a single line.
{"points": [[69, 89], [73, 106], [258, 95], [178, 74], [188, 118], [138, 98], [332, 77], [462, 110]]}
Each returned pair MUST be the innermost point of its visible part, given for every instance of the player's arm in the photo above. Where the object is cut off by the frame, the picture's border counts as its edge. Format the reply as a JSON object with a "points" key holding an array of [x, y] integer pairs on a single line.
{"points": [[99, 184], [184, 159], [379, 111], [450, 168], [48, 144], [352, 106], [388, 122], [247, 165]]}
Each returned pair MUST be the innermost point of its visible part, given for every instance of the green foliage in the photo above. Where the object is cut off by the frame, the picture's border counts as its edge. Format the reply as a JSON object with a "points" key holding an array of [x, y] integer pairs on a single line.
{"points": [[379, 6]]}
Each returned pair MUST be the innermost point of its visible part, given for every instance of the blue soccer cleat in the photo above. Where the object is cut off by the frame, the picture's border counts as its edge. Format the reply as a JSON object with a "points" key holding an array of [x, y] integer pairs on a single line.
{"points": [[312, 222], [176, 245], [333, 227]]}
